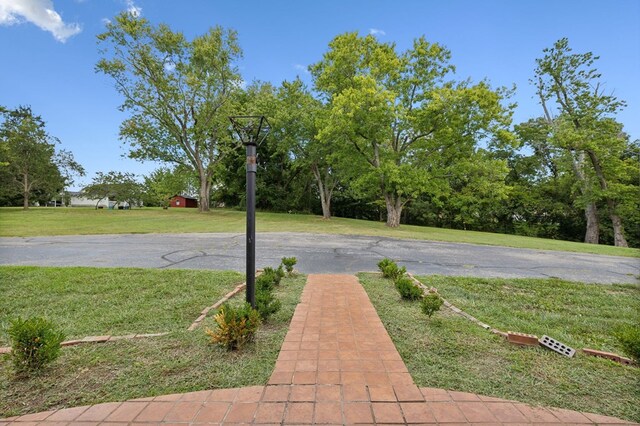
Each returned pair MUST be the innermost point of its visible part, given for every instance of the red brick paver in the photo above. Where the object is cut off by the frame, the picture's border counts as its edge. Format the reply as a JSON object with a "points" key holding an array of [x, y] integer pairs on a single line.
{"points": [[337, 365]]}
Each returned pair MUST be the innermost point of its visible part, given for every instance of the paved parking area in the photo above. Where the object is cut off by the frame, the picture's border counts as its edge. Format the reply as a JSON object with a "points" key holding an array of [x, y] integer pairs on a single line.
{"points": [[316, 253]]}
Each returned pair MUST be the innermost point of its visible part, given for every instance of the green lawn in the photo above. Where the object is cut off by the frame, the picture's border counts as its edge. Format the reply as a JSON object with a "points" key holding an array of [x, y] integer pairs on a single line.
{"points": [[116, 301], [451, 352], [179, 362], [70, 221]]}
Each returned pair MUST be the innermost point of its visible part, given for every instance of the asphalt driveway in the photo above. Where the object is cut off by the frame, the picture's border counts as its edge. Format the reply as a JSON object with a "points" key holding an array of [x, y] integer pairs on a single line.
{"points": [[316, 253]]}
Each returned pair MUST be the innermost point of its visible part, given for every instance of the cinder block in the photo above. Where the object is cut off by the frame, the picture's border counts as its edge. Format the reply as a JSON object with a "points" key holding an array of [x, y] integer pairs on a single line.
{"points": [[522, 338], [557, 346], [601, 354]]}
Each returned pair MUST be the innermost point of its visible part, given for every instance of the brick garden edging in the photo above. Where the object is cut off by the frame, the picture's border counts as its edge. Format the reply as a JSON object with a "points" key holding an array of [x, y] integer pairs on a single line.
{"points": [[97, 339], [608, 355], [216, 305], [219, 303], [521, 339], [456, 309]]}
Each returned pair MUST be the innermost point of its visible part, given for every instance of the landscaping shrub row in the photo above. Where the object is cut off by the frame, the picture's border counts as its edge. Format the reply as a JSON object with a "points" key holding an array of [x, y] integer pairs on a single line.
{"points": [[429, 303]]}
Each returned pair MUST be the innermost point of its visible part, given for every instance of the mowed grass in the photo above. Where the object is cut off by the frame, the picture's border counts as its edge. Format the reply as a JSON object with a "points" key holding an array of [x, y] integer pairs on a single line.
{"points": [[113, 301], [179, 362], [74, 221], [451, 352]]}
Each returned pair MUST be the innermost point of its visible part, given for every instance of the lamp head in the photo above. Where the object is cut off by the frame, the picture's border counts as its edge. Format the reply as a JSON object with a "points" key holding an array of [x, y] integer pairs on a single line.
{"points": [[251, 129]]}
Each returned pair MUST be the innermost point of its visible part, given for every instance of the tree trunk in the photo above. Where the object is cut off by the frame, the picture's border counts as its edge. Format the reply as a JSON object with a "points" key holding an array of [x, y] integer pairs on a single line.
{"points": [[394, 210], [326, 191], [618, 230], [592, 236], [205, 193], [326, 205], [25, 192]]}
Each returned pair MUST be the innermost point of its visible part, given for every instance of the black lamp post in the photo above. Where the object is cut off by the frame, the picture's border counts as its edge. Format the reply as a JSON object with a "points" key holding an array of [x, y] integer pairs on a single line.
{"points": [[252, 130]]}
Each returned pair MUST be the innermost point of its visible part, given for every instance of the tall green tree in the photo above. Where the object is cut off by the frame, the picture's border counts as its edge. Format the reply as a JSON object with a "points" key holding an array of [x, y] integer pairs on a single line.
{"points": [[397, 124], [29, 162], [545, 201], [282, 181], [176, 90], [583, 119], [296, 127]]}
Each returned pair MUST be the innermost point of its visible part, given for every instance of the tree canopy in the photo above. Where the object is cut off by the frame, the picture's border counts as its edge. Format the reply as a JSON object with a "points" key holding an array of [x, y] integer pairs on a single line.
{"points": [[29, 162], [176, 90], [399, 125], [119, 187], [582, 127]]}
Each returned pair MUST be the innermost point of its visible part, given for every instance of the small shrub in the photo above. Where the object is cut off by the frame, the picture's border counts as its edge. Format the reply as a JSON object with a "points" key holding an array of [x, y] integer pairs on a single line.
{"points": [[236, 326], [383, 264], [394, 272], [267, 280], [289, 263], [390, 269], [431, 304], [629, 338], [35, 342], [266, 304], [280, 272], [264, 283], [270, 275], [407, 289]]}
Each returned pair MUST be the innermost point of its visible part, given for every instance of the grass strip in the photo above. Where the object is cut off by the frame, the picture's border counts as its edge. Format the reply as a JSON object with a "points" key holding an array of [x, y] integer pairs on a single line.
{"points": [[451, 352]]}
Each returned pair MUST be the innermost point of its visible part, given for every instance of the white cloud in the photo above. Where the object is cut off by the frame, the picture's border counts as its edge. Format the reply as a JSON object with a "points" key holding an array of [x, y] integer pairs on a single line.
{"points": [[301, 67], [105, 21], [40, 13], [375, 31], [133, 10]]}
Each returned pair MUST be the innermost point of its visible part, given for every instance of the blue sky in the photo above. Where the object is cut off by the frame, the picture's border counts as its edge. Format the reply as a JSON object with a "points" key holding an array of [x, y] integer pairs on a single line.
{"points": [[48, 58]]}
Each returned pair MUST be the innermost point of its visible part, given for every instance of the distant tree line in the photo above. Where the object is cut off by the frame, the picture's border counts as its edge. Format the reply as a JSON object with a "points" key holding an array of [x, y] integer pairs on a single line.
{"points": [[381, 134]]}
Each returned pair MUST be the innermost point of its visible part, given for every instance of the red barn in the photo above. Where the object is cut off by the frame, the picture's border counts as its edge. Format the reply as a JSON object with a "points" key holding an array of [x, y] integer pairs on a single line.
{"points": [[184, 201]]}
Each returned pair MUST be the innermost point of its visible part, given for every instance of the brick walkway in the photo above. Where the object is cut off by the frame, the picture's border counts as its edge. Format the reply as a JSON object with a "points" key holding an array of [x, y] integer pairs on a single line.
{"points": [[337, 366]]}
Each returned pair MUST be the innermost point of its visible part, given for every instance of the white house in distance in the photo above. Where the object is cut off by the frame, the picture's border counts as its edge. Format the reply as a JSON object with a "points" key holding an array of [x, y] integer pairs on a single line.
{"points": [[77, 200]]}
